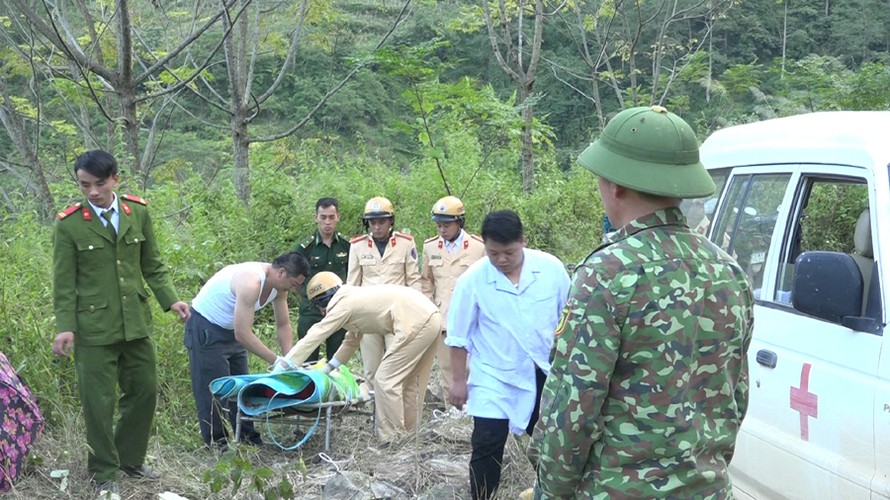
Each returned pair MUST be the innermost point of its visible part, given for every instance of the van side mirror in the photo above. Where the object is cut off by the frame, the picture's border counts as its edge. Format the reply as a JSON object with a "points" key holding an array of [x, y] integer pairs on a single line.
{"points": [[827, 285]]}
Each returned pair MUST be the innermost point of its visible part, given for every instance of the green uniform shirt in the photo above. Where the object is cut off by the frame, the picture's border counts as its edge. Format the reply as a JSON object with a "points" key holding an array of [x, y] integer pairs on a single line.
{"points": [[99, 292], [649, 382], [322, 258]]}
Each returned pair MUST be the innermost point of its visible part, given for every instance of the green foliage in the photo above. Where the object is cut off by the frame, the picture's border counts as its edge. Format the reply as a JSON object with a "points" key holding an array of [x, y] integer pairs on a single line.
{"points": [[236, 467]]}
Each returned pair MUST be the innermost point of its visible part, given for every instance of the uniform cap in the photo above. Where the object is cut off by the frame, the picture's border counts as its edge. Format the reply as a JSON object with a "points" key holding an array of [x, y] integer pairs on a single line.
{"points": [[448, 209], [378, 207], [650, 150]]}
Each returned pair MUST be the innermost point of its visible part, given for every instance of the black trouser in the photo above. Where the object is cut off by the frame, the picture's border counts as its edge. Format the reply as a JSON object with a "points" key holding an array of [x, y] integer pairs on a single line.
{"points": [[214, 353], [488, 441]]}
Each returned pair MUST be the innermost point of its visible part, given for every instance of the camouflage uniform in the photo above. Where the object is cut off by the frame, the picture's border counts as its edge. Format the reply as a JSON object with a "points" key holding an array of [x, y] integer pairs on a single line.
{"points": [[649, 382]]}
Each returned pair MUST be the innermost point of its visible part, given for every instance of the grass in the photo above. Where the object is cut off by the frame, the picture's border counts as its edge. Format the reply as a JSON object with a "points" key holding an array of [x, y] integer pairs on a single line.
{"points": [[429, 464]]}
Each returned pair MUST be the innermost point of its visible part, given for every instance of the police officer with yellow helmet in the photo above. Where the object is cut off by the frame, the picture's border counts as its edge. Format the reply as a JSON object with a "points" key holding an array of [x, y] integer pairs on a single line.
{"points": [[401, 314], [381, 256], [445, 257]]}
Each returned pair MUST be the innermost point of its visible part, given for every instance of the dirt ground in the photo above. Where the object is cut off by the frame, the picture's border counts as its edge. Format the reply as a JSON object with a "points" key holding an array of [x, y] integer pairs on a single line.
{"points": [[430, 464]]}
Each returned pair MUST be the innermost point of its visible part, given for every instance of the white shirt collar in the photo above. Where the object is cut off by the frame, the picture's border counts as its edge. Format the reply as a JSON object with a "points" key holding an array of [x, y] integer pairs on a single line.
{"points": [[98, 211], [453, 246]]}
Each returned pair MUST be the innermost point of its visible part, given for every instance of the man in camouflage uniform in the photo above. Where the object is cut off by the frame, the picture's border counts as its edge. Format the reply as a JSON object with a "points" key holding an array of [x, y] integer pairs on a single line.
{"points": [[649, 381], [326, 250]]}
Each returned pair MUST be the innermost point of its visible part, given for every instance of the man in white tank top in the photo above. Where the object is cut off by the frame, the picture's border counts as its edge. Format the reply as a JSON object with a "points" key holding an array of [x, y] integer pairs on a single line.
{"points": [[220, 332]]}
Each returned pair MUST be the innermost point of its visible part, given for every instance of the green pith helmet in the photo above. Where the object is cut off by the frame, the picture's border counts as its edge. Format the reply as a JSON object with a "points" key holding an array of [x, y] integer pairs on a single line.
{"points": [[650, 150]]}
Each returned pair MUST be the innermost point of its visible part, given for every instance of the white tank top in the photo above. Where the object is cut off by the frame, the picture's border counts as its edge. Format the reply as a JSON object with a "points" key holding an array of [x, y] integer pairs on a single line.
{"points": [[216, 300]]}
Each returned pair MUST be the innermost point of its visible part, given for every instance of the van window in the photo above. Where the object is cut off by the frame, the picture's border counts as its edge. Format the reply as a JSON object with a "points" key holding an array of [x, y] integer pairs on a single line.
{"points": [[747, 219], [699, 212], [825, 218]]}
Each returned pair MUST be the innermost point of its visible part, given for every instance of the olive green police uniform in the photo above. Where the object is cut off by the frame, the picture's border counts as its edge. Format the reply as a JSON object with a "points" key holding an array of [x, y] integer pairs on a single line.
{"points": [[334, 258], [99, 294]]}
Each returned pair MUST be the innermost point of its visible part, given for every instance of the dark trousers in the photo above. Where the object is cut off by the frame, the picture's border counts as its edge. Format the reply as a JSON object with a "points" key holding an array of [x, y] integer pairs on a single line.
{"points": [[331, 344], [130, 365], [214, 353], [488, 441]]}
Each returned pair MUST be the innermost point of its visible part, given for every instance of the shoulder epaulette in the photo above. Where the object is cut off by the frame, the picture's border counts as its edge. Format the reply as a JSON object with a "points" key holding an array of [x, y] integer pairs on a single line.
{"points": [[305, 243], [136, 199], [477, 238], [70, 210], [404, 235], [358, 238], [430, 240]]}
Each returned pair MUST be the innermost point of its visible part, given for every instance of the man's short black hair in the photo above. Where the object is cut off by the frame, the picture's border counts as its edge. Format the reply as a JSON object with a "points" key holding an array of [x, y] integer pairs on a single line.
{"points": [[293, 264], [327, 202], [502, 226], [98, 163]]}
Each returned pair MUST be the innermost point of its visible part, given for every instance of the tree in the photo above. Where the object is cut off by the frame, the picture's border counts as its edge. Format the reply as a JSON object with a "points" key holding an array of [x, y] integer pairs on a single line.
{"points": [[243, 103], [508, 36], [133, 65], [617, 39]]}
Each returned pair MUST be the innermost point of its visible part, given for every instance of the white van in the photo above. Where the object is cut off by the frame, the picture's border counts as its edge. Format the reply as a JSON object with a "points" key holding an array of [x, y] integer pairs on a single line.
{"points": [[804, 205]]}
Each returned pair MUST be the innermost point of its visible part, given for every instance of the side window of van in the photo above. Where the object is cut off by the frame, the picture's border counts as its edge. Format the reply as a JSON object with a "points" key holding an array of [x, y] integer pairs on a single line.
{"points": [[699, 212], [747, 219], [831, 215]]}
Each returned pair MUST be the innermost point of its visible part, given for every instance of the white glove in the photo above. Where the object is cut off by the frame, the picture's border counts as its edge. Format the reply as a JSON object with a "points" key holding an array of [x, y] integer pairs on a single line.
{"points": [[327, 368], [282, 364]]}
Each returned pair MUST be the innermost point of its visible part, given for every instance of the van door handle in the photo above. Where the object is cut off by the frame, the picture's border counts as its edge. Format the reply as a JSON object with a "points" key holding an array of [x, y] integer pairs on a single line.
{"points": [[767, 358]]}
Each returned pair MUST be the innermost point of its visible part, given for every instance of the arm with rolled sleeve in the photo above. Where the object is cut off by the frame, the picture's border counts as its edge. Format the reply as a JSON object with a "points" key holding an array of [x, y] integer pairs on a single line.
{"points": [[586, 350]]}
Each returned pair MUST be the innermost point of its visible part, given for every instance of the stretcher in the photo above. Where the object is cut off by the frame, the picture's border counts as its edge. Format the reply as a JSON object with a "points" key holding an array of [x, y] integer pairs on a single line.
{"points": [[295, 398], [308, 418]]}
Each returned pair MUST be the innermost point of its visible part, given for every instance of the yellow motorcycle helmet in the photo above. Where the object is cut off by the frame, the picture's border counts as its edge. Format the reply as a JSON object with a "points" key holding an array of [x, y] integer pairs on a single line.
{"points": [[448, 209], [378, 207], [322, 288]]}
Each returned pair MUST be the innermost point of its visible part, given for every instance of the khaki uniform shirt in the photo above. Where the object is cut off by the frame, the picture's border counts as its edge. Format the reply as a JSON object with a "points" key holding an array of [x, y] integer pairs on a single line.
{"points": [[387, 309], [397, 266], [441, 268]]}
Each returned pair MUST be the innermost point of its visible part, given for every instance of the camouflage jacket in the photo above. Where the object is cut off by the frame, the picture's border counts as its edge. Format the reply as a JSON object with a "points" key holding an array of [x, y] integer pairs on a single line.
{"points": [[649, 382]]}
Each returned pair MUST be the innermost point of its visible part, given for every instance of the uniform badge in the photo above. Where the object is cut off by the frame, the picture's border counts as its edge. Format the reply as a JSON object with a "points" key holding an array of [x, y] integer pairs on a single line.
{"points": [[561, 326]]}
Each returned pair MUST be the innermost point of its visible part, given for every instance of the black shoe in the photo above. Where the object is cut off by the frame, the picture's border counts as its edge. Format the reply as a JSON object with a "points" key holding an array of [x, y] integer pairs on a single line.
{"points": [[253, 439], [220, 446], [141, 472]]}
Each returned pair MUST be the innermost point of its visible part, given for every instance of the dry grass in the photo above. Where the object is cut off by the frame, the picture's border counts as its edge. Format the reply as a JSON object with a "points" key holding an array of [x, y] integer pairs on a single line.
{"points": [[430, 464]]}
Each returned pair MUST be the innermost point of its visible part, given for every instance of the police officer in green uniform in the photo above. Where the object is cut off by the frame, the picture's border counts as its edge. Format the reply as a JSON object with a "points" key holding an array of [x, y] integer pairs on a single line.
{"points": [[326, 250], [104, 251]]}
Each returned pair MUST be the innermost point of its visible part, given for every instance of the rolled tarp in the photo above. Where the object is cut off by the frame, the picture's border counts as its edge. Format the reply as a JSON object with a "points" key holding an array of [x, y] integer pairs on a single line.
{"points": [[260, 393]]}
